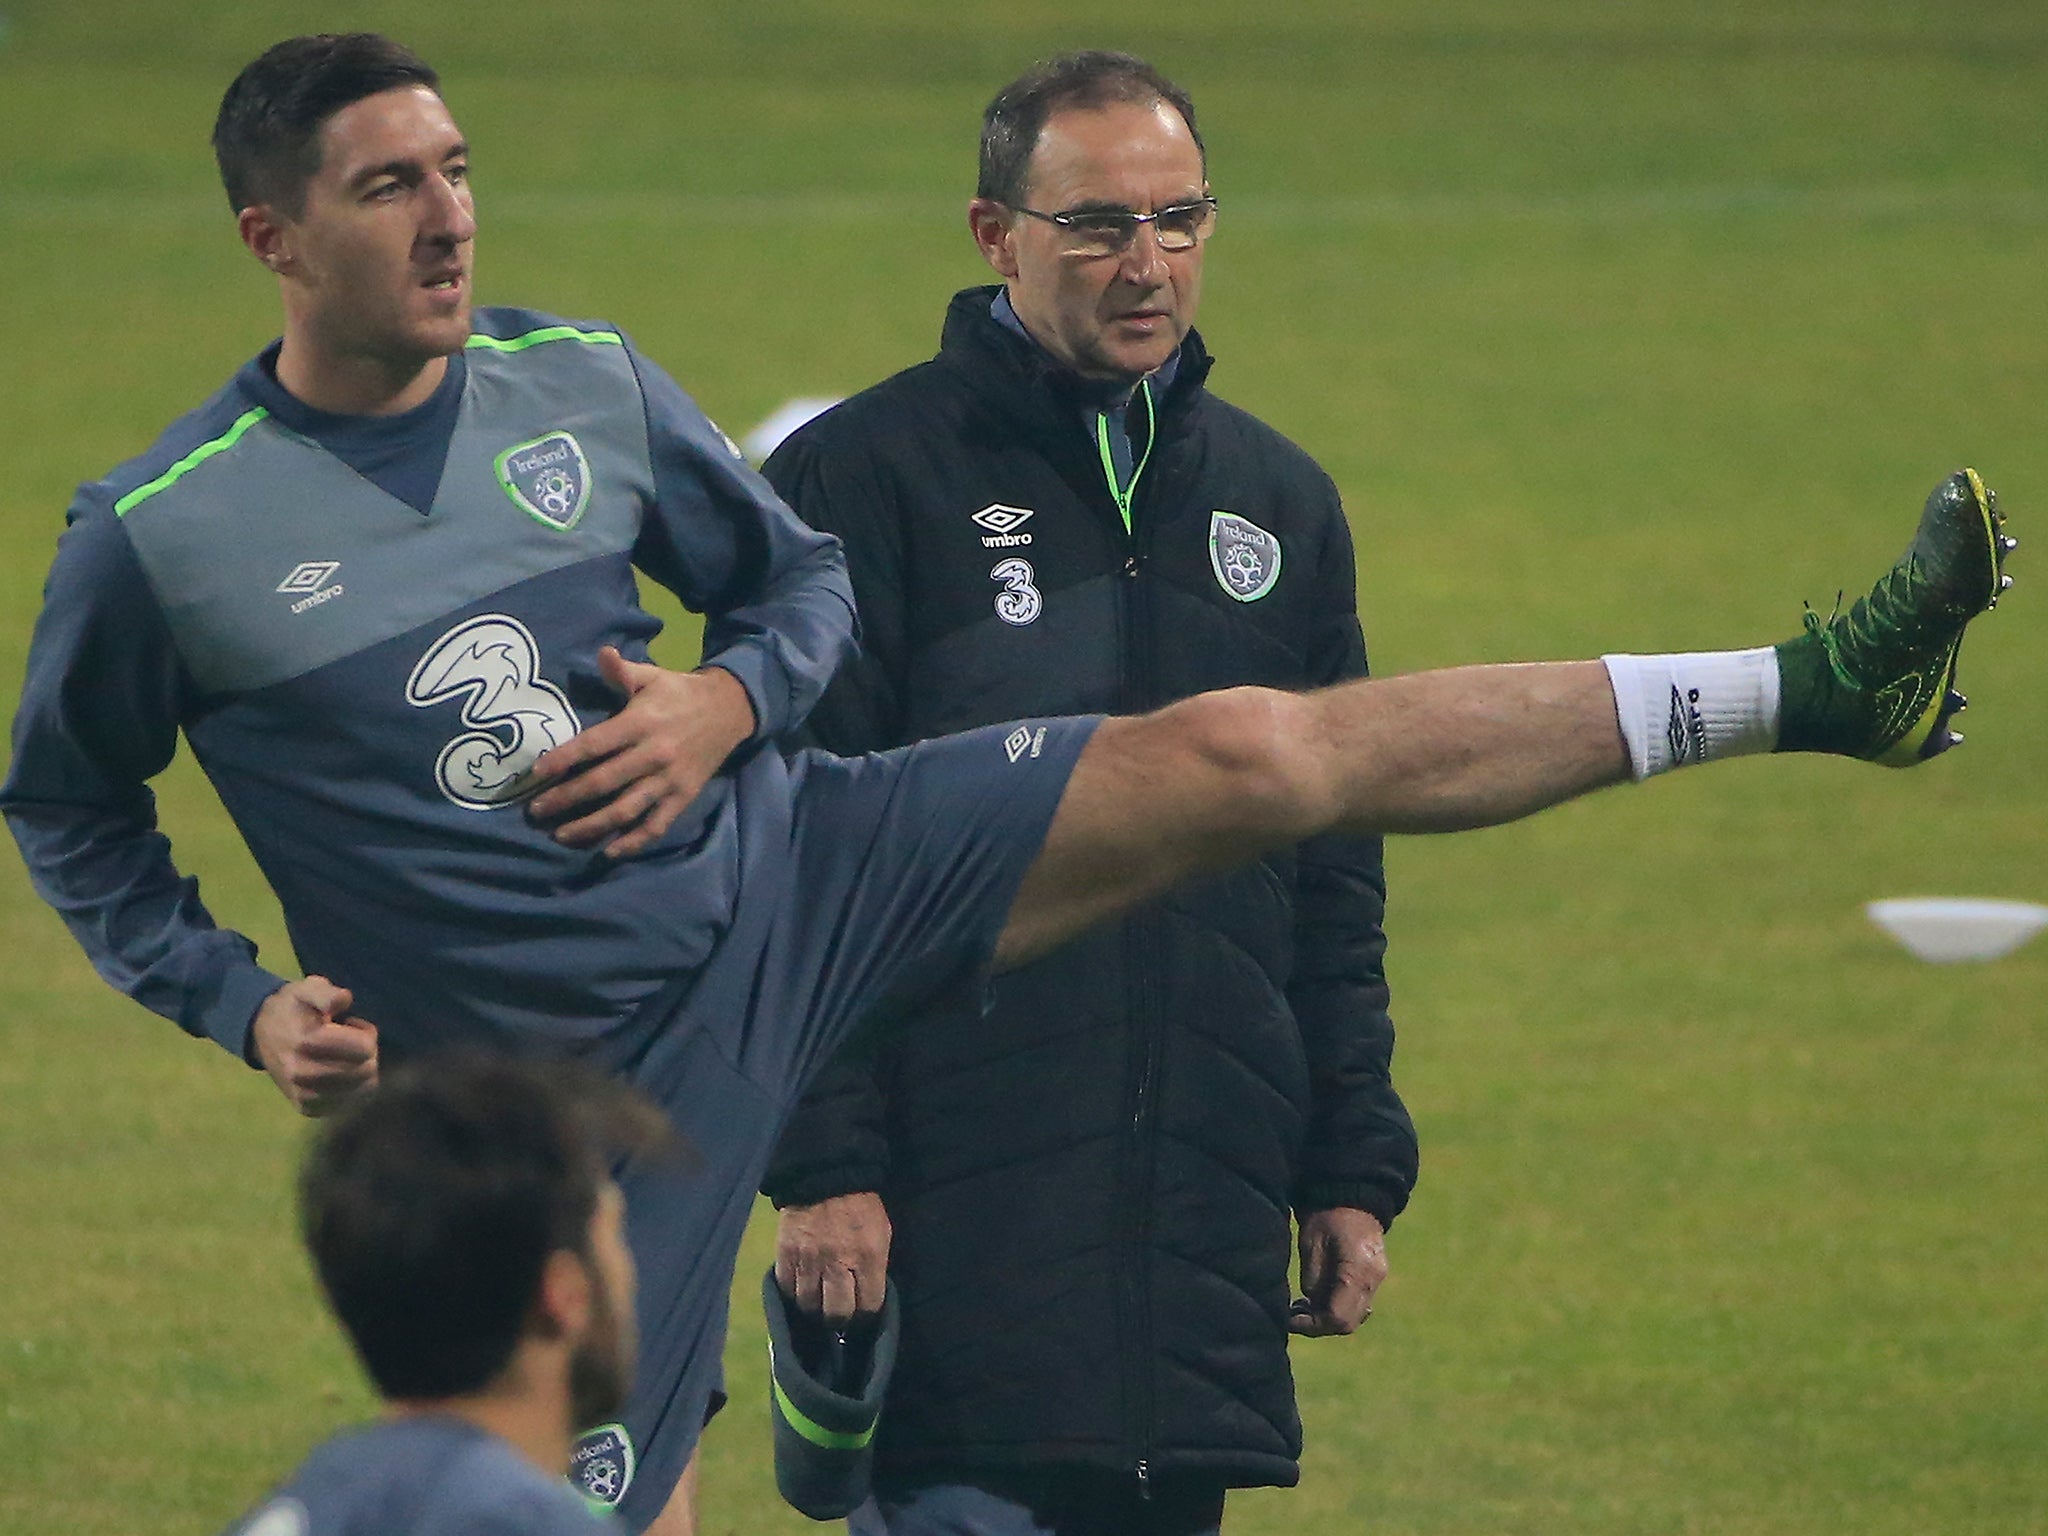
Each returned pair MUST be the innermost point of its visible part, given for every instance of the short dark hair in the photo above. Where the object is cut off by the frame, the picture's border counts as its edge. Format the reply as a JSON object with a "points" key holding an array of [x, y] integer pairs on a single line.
{"points": [[431, 1204], [266, 138], [1088, 80]]}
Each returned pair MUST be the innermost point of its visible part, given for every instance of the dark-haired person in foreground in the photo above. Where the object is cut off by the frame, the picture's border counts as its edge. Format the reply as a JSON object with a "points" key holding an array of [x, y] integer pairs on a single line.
{"points": [[382, 582], [465, 1228]]}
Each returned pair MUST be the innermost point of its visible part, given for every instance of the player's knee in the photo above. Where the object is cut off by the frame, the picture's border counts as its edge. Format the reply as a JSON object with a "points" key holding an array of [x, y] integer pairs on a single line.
{"points": [[1260, 746]]}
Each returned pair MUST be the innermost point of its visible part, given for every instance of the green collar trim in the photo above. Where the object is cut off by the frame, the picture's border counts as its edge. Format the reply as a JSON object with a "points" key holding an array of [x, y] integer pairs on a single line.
{"points": [[1123, 495], [545, 334]]}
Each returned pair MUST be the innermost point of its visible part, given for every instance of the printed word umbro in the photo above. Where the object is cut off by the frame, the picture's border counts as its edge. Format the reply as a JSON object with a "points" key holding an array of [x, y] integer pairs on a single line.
{"points": [[1002, 523], [307, 578]]}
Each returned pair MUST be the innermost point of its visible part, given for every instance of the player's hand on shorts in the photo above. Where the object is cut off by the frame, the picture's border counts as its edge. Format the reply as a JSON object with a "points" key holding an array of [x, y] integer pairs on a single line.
{"points": [[833, 1257], [623, 782], [313, 1049], [1343, 1263]]}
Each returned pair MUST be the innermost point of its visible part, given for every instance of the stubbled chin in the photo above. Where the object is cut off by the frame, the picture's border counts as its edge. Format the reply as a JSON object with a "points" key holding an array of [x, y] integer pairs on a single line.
{"points": [[1138, 361], [446, 334]]}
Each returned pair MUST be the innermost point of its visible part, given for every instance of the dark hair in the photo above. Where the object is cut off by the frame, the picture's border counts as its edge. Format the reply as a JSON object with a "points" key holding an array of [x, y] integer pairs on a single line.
{"points": [[267, 136], [1089, 80], [431, 1203]]}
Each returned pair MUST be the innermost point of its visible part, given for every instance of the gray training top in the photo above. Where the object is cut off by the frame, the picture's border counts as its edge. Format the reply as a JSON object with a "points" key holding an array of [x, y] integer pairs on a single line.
{"points": [[368, 631], [424, 1476]]}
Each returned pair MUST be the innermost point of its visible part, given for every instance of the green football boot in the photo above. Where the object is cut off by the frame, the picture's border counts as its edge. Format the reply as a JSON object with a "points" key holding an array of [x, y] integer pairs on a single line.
{"points": [[1878, 682]]}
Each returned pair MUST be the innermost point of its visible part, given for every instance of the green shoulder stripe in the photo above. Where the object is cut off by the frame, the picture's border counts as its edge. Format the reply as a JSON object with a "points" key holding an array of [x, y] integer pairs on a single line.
{"points": [[191, 461], [546, 333]]}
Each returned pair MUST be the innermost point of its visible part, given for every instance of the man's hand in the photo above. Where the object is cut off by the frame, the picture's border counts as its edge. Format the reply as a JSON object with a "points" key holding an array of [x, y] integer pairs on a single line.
{"points": [[626, 780], [833, 1257], [315, 1053], [1343, 1261]]}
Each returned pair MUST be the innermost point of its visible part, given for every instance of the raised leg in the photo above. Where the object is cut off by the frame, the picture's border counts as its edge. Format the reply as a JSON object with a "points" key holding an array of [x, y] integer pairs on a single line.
{"points": [[1221, 778]]}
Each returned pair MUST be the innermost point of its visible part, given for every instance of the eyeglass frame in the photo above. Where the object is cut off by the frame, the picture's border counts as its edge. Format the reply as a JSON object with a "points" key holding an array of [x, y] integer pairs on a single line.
{"points": [[1130, 219]]}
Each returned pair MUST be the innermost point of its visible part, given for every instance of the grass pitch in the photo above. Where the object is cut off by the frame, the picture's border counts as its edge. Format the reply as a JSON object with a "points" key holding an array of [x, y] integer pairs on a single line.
{"points": [[1619, 330]]}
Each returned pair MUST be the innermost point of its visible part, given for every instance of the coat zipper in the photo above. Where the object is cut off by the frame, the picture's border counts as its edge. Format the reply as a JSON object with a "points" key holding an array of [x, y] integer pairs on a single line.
{"points": [[1136, 693], [1123, 495]]}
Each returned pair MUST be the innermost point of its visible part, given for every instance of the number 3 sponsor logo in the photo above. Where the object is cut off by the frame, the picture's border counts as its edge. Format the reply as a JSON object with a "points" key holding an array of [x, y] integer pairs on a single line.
{"points": [[1018, 602], [492, 664]]}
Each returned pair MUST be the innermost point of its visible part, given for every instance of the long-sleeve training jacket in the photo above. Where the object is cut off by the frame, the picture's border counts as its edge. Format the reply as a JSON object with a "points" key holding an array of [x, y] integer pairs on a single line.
{"points": [[367, 629]]}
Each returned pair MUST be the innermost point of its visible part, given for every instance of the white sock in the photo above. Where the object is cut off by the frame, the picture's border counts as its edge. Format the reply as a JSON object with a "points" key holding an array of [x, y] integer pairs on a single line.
{"points": [[1681, 709]]}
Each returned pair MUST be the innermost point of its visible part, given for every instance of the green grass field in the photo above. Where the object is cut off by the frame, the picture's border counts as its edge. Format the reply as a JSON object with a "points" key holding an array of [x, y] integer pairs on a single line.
{"points": [[1620, 328]]}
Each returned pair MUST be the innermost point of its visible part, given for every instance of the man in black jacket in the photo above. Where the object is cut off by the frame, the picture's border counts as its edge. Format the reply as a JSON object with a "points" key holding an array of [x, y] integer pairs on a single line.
{"points": [[1090, 1186]]}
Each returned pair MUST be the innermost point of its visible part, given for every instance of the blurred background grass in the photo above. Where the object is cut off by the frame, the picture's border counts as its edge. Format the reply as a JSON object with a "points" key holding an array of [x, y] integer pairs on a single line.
{"points": [[1621, 327]]}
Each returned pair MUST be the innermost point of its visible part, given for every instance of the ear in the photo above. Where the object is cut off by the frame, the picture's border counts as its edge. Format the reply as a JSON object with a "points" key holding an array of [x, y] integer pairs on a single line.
{"points": [[563, 1306], [267, 236], [994, 231]]}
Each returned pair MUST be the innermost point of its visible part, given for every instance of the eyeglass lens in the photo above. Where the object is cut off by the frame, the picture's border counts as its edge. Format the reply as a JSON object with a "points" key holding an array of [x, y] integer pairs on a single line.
{"points": [[1177, 229]]}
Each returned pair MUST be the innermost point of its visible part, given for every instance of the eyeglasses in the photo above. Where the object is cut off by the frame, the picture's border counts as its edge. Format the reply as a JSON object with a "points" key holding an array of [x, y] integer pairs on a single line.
{"points": [[1110, 231]]}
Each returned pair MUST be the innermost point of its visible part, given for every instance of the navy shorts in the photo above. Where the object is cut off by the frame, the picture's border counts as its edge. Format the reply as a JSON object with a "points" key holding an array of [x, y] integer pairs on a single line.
{"points": [[861, 881]]}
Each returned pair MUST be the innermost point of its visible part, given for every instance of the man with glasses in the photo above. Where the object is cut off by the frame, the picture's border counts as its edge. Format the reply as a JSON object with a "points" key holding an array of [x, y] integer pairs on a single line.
{"points": [[1091, 1186]]}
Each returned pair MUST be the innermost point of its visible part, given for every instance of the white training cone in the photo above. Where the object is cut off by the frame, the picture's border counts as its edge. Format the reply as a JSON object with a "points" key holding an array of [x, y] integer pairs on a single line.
{"points": [[1942, 929], [782, 421]]}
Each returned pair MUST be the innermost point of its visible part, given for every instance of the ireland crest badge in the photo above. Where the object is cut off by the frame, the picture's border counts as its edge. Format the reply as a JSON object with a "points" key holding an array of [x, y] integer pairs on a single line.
{"points": [[601, 1466], [1245, 558], [548, 479]]}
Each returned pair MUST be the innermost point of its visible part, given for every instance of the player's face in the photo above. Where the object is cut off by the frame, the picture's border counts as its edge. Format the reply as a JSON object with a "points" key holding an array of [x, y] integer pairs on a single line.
{"points": [[1107, 316], [601, 1365], [378, 263]]}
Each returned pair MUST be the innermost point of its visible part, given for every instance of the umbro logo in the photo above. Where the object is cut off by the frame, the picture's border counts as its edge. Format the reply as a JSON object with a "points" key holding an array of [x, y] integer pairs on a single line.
{"points": [[309, 575], [1023, 740], [1685, 733], [1002, 524], [309, 578]]}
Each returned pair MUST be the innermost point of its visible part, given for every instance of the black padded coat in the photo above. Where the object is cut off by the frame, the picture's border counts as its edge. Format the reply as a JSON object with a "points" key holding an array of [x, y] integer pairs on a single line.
{"points": [[1091, 1182]]}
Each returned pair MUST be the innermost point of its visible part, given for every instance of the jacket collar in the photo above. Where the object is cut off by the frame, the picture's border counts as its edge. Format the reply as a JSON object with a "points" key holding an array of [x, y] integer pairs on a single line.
{"points": [[1005, 363]]}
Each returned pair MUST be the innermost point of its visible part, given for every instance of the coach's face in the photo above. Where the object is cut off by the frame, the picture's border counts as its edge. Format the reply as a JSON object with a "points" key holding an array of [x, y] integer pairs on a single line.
{"points": [[1107, 316], [376, 265]]}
